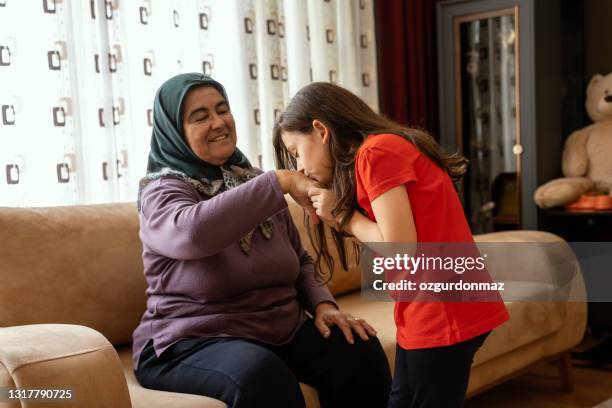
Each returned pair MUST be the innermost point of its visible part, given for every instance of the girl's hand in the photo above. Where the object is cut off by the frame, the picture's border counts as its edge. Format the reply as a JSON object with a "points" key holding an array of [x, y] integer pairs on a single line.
{"points": [[327, 315], [297, 186], [324, 201]]}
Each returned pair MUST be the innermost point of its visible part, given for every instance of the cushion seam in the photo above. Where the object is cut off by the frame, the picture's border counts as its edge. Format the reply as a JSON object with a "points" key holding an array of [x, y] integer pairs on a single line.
{"points": [[60, 357]]}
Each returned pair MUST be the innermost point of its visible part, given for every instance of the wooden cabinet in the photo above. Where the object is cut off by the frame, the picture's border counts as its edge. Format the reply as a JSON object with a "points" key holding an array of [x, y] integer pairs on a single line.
{"points": [[586, 227], [579, 226], [502, 83]]}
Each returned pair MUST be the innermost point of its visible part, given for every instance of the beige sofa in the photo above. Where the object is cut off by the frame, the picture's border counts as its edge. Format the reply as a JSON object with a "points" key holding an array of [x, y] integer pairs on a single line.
{"points": [[72, 290]]}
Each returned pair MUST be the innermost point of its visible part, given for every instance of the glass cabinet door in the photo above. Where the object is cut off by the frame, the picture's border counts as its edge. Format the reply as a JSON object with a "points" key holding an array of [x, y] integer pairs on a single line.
{"points": [[486, 77]]}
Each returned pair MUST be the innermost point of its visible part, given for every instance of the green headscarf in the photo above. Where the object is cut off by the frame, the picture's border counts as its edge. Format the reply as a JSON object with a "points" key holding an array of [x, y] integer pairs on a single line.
{"points": [[168, 146], [171, 156]]}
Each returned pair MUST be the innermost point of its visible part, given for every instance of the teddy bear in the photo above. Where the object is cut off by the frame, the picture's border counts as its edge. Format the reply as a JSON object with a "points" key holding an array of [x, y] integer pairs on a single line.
{"points": [[587, 155]]}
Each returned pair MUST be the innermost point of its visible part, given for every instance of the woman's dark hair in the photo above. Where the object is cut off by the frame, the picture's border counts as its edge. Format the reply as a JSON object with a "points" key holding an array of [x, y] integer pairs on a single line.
{"points": [[349, 120]]}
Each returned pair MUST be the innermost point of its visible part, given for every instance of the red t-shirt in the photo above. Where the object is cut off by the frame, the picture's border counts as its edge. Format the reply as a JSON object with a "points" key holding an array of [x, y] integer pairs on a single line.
{"points": [[385, 161]]}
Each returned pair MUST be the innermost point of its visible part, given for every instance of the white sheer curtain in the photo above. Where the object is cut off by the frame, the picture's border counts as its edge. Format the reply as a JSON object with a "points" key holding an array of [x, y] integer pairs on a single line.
{"points": [[77, 80]]}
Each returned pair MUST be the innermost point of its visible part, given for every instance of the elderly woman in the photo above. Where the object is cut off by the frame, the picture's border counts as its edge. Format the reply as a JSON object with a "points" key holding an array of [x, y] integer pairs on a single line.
{"points": [[229, 283]]}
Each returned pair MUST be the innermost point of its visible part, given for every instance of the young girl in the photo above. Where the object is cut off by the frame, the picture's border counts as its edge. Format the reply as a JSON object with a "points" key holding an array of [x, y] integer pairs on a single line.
{"points": [[388, 183]]}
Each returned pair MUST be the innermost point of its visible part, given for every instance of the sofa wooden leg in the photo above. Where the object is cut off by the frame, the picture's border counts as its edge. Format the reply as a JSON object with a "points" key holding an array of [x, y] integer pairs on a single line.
{"points": [[564, 364]]}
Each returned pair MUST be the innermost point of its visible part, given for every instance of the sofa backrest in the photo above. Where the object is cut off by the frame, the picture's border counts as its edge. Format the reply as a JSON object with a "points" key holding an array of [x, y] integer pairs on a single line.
{"points": [[78, 265], [83, 265]]}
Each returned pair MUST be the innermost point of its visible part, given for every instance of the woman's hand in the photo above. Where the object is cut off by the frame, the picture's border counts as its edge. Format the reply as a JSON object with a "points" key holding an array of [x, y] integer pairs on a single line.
{"points": [[324, 201], [297, 186], [327, 315]]}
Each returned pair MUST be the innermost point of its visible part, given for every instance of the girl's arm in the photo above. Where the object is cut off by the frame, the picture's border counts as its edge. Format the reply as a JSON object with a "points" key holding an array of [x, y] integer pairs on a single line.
{"points": [[364, 229], [393, 213]]}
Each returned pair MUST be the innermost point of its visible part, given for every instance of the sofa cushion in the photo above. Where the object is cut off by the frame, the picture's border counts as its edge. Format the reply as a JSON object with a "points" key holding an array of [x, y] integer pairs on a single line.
{"points": [[529, 322]]}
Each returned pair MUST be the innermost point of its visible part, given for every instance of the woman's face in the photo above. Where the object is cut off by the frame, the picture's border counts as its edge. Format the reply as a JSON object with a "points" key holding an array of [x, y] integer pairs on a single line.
{"points": [[311, 152], [208, 124]]}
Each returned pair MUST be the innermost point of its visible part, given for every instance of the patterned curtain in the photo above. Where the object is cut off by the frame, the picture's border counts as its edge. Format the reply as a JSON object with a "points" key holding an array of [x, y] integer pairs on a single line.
{"points": [[77, 80]]}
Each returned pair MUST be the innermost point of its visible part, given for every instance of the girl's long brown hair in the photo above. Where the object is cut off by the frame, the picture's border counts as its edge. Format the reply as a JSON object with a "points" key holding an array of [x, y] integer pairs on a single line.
{"points": [[349, 120]]}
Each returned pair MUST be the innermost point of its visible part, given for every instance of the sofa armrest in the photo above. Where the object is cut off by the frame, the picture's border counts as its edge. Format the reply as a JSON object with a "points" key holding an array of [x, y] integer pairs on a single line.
{"points": [[535, 265], [62, 356]]}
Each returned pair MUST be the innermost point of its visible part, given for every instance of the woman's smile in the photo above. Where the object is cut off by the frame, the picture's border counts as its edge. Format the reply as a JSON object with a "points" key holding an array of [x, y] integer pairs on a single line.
{"points": [[219, 138]]}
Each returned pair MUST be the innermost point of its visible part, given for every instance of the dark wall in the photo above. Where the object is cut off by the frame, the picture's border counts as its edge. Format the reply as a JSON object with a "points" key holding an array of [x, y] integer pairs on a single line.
{"points": [[598, 37]]}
